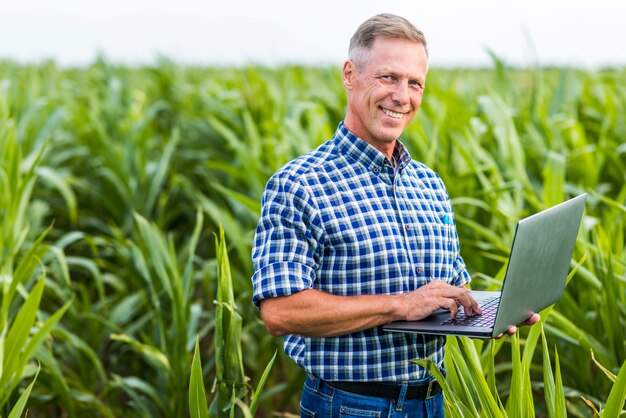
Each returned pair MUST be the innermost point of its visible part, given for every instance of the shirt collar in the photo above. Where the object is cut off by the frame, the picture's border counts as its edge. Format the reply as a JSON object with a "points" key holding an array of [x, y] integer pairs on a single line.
{"points": [[360, 151]]}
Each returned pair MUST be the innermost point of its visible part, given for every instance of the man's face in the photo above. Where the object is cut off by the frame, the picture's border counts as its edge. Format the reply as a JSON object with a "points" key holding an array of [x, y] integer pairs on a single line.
{"points": [[385, 92]]}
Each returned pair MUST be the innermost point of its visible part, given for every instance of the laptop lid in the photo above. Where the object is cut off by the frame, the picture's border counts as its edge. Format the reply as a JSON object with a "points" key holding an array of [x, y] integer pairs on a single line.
{"points": [[535, 277]]}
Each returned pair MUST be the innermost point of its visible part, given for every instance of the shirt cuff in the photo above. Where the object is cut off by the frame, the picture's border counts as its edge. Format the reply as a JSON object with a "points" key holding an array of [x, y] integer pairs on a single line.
{"points": [[462, 277], [281, 279]]}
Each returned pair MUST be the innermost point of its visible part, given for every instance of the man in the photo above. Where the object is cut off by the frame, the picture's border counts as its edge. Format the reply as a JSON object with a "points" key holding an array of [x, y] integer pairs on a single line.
{"points": [[356, 234]]}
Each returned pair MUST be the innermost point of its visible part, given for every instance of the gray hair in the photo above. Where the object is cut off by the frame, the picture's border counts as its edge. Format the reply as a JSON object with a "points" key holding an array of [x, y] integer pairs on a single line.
{"points": [[384, 25]]}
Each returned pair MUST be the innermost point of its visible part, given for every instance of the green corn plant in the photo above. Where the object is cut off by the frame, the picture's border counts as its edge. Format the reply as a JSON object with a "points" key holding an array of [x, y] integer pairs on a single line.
{"points": [[469, 390], [18, 346], [116, 137], [230, 380], [23, 328], [596, 301], [231, 385], [198, 407], [164, 340]]}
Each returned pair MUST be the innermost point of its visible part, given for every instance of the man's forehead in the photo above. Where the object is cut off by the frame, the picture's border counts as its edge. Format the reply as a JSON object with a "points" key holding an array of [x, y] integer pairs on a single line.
{"points": [[413, 72]]}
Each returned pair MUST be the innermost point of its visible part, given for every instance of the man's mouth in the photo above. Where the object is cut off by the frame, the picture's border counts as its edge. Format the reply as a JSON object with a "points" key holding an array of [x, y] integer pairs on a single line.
{"points": [[392, 114]]}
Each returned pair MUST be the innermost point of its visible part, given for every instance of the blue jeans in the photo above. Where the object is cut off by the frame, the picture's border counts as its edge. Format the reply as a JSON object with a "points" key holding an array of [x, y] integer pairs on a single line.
{"points": [[323, 401]]}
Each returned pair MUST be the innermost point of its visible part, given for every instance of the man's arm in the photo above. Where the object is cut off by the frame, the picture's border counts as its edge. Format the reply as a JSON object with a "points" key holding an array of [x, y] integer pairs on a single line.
{"points": [[313, 313]]}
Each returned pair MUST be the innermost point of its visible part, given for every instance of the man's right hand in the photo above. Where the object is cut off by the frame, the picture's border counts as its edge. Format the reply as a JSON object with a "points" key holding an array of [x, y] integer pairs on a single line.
{"points": [[437, 294]]}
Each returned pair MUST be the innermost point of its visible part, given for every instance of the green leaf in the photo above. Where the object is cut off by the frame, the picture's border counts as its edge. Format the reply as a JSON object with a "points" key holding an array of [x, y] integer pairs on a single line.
{"points": [[44, 329], [256, 396], [197, 396], [18, 408], [158, 177], [560, 407], [548, 378], [488, 403], [24, 271], [517, 404], [606, 371], [617, 396], [56, 379], [151, 353], [60, 182], [18, 335], [432, 369]]}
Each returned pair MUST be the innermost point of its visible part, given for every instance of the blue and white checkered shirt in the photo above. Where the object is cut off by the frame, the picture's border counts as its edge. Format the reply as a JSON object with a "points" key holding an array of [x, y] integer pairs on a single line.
{"points": [[343, 220]]}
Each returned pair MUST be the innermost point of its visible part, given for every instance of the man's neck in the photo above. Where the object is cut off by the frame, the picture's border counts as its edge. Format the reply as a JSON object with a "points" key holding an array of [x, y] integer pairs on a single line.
{"points": [[385, 147]]}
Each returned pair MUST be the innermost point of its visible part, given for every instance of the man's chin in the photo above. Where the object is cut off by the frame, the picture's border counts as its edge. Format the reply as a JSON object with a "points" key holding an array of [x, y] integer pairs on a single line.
{"points": [[390, 135]]}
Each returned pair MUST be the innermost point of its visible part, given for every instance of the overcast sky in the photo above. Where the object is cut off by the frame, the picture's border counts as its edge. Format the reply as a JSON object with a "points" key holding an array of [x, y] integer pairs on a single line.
{"points": [[587, 34]]}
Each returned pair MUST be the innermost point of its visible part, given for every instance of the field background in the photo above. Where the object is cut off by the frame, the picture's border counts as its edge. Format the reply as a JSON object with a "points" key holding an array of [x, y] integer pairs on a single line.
{"points": [[129, 198]]}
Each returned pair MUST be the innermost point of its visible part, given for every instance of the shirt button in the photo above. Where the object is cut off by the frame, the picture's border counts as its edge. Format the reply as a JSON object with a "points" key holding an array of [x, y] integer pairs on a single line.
{"points": [[407, 227], [375, 169], [418, 270]]}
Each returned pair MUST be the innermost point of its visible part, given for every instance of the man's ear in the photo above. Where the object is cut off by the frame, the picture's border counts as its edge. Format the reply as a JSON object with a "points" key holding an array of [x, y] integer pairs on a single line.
{"points": [[348, 73]]}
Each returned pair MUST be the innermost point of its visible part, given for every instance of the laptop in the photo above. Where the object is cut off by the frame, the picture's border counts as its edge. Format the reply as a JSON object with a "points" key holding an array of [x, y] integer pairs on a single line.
{"points": [[535, 277]]}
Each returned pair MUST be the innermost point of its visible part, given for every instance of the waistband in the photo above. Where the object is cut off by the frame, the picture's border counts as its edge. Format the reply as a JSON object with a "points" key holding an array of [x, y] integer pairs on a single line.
{"points": [[388, 391]]}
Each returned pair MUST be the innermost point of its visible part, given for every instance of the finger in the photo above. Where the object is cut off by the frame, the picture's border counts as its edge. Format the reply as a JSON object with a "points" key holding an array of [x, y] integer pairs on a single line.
{"points": [[452, 306], [476, 307], [470, 305], [534, 318]]}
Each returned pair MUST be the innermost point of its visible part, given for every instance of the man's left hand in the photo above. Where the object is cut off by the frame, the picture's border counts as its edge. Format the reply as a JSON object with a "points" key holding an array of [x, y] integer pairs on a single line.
{"points": [[534, 318]]}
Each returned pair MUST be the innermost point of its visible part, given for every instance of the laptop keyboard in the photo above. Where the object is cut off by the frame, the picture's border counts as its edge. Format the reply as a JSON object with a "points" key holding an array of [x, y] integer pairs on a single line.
{"points": [[486, 319]]}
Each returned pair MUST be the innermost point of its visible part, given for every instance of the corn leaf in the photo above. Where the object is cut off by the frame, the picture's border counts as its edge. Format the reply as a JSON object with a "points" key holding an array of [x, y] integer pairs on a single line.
{"points": [[256, 396], [19, 406], [197, 396], [18, 335], [151, 353], [548, 379], [488, 403], [560, 407], [615, 402]]}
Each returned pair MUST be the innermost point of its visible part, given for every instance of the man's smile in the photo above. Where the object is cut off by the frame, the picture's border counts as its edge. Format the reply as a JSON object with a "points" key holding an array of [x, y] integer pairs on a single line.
{"points": [[392, 114]]}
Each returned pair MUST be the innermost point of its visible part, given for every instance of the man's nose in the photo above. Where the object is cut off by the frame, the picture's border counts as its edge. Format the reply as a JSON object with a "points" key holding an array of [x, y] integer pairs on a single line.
{"points": [[400, 94]]}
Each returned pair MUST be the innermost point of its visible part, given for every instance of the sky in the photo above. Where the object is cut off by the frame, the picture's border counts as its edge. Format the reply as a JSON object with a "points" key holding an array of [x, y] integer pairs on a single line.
{"points": [[589, 34]]}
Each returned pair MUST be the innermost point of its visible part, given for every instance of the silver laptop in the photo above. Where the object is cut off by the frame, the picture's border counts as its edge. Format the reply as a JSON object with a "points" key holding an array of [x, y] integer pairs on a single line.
{"points": [[535, 277]]}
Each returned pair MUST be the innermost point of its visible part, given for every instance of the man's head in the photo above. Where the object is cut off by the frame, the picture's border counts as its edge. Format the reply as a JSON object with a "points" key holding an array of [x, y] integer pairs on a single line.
{"points": [[385, 25], [385, 77]]}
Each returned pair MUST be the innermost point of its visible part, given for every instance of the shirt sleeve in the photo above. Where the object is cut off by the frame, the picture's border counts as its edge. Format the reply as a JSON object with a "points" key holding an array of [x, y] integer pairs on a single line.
{"points": [[462, 277], [285, 253]]}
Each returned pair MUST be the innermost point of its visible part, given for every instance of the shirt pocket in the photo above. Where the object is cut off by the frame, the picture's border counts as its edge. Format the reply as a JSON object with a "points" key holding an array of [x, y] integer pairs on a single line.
{"points": [[444, 233], [443, 248]]}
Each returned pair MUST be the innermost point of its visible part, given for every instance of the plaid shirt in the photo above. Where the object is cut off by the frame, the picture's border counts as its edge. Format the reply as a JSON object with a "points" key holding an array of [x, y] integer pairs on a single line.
{"points": [[342, 220]]}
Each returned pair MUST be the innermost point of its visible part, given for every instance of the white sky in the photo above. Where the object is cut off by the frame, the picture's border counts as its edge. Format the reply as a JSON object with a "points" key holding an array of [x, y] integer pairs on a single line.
{"points": [[587, 34]]}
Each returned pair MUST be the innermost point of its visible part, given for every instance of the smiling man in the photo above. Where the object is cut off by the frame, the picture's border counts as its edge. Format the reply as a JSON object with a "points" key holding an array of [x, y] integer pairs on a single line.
{"points": [[356, 234]]}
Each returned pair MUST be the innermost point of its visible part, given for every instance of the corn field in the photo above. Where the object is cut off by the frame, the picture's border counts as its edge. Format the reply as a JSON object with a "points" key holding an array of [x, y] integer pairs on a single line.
{"points": [[129, 199]]}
